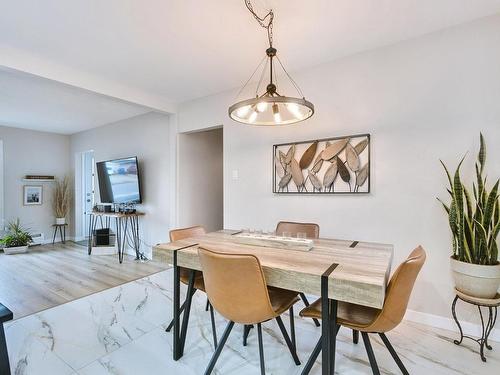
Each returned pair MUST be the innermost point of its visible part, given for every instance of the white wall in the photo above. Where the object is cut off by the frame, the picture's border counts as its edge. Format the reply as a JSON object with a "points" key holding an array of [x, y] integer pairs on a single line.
{"points": [[421, 100], [2, 218], [32, 152], [200, 183], [147, 137]]}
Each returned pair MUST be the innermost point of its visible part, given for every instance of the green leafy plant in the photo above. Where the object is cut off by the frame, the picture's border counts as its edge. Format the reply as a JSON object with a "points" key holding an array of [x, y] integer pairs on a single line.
{"points": [[61, 197], [474, 221], [16, 236]]}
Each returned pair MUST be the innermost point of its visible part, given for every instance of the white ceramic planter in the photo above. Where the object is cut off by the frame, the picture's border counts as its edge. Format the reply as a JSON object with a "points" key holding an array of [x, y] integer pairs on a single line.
{"points": [[476, 280], [60, 220], [15, 250]]}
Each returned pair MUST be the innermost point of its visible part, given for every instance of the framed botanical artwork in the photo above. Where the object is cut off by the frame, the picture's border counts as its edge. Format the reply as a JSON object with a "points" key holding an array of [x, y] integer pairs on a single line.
{"points": [[33, 195], [339, 165]]}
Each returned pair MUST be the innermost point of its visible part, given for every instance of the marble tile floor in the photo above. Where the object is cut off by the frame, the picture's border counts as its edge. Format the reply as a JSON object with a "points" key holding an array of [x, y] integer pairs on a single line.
{"points": [[121, 331]]}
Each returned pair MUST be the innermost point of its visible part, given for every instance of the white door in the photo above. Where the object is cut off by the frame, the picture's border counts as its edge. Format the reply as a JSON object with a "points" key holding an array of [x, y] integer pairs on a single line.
{"points": [[88, 171]]}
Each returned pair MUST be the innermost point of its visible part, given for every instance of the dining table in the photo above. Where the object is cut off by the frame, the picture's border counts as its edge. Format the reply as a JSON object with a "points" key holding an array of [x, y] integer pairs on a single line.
{"points": [[351, 271]]}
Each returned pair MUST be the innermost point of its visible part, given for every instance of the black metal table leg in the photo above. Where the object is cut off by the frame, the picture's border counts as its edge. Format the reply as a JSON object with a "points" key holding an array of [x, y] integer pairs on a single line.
{"points": [[177, 291], [54, 238], [329, 320], [124, 238], [62, 235], [137, 241], [91, 232], [187, 311]]}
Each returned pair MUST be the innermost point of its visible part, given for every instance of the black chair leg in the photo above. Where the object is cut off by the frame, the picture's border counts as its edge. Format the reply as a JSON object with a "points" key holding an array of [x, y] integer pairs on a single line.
{"points": [[246, 332], [292, 328], [261, 350], [371, 355], [306, 303], [214, 330], [220, 345], [207, 305], [293, 352], [4, 355], [355, 336], [314, 355], [394, 354]]}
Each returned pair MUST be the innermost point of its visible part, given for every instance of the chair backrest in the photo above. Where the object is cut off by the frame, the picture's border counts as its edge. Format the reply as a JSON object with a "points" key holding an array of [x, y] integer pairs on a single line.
{"points": [[310, 229], [236, 286], [180, 234], [399, 291]]}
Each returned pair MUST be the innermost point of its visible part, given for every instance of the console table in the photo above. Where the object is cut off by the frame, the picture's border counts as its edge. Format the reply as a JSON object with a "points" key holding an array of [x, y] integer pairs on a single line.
{"points": [[127, 227], [492, 305]]}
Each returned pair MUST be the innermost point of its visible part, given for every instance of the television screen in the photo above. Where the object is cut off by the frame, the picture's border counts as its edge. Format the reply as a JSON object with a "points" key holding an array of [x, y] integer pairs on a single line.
{"points": [[119, 181]]}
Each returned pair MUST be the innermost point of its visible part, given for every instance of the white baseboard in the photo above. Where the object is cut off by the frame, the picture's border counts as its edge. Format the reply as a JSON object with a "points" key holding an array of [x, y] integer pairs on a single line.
{"points": [[449, 324]]}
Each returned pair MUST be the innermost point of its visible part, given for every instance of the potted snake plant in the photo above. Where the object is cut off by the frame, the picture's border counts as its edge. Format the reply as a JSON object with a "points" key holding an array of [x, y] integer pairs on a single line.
{"points": [[16, 240], [475, 224]]}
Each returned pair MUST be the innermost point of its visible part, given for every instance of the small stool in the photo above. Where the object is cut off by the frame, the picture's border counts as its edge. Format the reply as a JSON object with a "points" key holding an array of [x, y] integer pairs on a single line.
{"points": [[492, 305], [5, 316], [62, 231]]}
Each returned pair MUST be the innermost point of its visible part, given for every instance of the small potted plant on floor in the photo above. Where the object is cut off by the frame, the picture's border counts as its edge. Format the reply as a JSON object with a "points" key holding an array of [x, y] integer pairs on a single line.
{"points": [[16, 240], [475, 223], [61, 200]]}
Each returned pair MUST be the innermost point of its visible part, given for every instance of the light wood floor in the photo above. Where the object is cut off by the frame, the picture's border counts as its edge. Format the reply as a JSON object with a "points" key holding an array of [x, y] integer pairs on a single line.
{"points": [[51, 275]]}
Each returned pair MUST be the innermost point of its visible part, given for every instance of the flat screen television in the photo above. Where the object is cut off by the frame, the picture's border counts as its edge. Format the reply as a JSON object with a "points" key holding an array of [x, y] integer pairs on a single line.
{"points": [[119, 181]]}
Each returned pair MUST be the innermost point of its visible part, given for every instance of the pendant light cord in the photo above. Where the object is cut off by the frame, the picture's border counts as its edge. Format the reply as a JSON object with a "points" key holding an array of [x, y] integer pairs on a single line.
{"points": [[266, 22]]}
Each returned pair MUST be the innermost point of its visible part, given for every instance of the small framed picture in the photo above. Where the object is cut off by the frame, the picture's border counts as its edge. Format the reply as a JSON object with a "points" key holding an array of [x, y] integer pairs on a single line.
{"points": [[32, 195]]}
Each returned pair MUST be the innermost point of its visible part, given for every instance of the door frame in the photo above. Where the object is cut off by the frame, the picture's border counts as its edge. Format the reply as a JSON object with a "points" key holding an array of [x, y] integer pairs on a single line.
{"points": [[80, 225]]}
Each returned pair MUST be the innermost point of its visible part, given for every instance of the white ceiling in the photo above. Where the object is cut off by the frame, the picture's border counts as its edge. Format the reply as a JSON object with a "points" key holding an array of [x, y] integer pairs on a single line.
{"points": [[40, 104], [184, 49]]}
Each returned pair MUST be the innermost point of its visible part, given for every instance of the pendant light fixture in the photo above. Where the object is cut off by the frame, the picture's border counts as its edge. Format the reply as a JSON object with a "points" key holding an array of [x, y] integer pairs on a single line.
{"points": [[270, 107]]}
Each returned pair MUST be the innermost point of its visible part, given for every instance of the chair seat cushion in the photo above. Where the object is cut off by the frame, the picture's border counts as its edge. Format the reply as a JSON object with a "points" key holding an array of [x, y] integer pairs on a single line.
{"points": [[199, 283], [348, 314], [282, 299], [5, 314]]}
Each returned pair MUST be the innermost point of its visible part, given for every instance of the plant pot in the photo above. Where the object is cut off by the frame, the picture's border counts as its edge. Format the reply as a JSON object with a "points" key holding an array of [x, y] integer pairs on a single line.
{"points": [[15, 250], [476, 280], [60, 220]]}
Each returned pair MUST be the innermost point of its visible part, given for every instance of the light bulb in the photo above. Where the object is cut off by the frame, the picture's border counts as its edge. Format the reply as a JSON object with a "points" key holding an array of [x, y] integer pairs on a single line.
{"points": [[294, 110], [261, 106], [243, 111], [252, 117], [276, 113]]}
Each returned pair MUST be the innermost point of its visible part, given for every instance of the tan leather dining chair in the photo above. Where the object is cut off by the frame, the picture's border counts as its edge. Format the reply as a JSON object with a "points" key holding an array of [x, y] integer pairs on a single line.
{"points": [[199, 284], [237, 289], [370, 320], [311, 230]]}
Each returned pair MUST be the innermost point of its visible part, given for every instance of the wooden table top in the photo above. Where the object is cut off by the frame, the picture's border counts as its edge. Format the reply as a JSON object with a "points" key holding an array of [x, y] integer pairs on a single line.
{"points": [[360, 277]]}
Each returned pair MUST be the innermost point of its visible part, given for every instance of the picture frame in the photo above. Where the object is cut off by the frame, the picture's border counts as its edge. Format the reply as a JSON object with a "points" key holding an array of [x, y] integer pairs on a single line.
{"points": [[32, 195], [299, 168]]}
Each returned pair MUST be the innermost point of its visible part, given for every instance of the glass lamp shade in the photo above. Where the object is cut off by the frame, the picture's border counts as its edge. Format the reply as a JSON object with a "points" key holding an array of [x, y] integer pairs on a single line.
{"points": [[271, 110]]}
